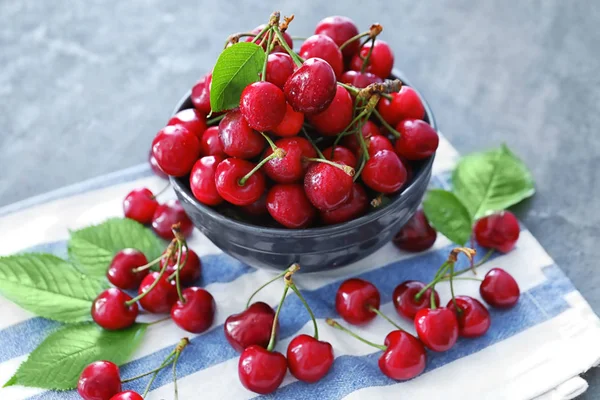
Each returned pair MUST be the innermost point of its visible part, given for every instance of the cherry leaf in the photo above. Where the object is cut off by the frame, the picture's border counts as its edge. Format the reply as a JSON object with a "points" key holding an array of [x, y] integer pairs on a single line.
{"points": [[448, 215]]}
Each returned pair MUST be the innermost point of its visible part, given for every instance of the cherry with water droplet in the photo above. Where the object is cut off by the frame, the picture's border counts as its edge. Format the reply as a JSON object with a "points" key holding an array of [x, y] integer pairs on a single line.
{"points": [[140, 205], [202, 180]]}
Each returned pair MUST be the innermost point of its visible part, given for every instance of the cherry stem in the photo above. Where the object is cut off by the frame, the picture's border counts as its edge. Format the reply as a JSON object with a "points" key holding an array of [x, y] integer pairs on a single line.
{"points": [[275, 319], [336, 325], [479, 264], [261, 33], [155, 374], [215, 119], [161, 191], [312, 316], [297, 59], [178, 267], [137, 298], [438, 277], [346, 168], [432, 298], [354, 38], [388, 319], [293, 267], [167, 362], [268, 139], [149, 265], [263, 77], [461, 278], [158, 321], [390, 128], [172, 357], [365, 63], [452, 287], [352, 89], [313, 144], [278, 153], [175, 376]]}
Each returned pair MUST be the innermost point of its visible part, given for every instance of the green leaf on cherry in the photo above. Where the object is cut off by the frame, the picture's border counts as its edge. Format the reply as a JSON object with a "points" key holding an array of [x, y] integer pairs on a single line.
{"points": [[238, 66], [93, 248], [491, 181], [48, 286], [448, 215], [58, 361]]}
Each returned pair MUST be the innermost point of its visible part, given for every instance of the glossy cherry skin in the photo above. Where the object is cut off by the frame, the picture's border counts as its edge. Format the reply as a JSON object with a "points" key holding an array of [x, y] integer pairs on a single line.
{"points": [[376, 143], [263, 42], [99, 381], [384, 172], [250, 327], [353, 208], [291, 124], [340, 155], [327, 186], [192, 120], [261, 371], [405, 104], [474, 319], [191, 270], [210, 143], [337, 116], [155, 167], [120, 271], [340, 29], [360, 79], [259, 207], [197, 313], [418, 139], [351, 142], [160, 299], [238, 138], [499, 289], [498, 231], [202, 180], [168, 214], [176, 150], [227, 179], [416, 235], [437, 329], [354, 300], [263, 105], [291, 167], [279, 68], [404, 358], [110, 311], [201, 94], [309, 359], [404, 299], [312, 87], [381, 61], [287, 203], [128, 395], [140, 205], [325, 48]]}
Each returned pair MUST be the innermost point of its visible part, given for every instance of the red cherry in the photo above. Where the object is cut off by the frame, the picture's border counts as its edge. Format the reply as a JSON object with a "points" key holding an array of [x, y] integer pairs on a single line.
{"points": [[250, 327], [309, 359], [202, 180], [237, 138], [353, 208], [99, 381], [210, 143], [201, 94], [498, 231], [291, 124], [155, 167], [416, 235], [263, 105], [190, 119], [418, 139], [279, 68], [197, 313], [227, 179], [120, 271], [359, 79], [128, 395], [384, 172], [291, 167], [140, 205], [337, 116], [340, 29], [323, 47], [354, 300], [473, 319], [405, 104], [263, 42], [161, 298], [341, 155], [261, 371], [404, 298], [368, 129], [404, 357], [381, 61], [176, 150], [437, 328], [376, 143], [191, 270], [326, 186], [499, 289], [312, 87], [110, 311], [169, 214], [288, 205], [259, 207]]}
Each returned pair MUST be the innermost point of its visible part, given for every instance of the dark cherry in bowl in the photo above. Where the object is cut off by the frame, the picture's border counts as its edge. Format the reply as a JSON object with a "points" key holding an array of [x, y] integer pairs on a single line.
{"points": [[315, 249]]}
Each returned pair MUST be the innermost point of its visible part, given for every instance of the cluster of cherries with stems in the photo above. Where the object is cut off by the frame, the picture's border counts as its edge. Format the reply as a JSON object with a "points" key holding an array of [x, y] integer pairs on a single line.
{"points": [[313, 140], [101, 380], [192, 309]]}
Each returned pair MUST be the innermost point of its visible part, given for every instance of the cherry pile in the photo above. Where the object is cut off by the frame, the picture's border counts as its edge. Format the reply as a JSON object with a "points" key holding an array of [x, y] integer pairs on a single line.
{"points": [[321, 134]]}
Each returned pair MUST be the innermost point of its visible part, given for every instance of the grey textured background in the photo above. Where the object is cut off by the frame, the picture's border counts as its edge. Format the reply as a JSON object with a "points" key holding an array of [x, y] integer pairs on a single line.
{"points": [[86, 84]]}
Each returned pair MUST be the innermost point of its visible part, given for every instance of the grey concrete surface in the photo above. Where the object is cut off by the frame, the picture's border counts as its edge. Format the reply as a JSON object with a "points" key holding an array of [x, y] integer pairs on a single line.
{"points": [[84, 86]]}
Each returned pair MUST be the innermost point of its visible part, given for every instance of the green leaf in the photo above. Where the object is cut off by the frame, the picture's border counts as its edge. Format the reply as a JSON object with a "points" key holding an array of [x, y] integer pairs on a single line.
{"points": [[448, 215], [58, 361], [492, 181], [237, 67], [48, 286], [93, 248]]}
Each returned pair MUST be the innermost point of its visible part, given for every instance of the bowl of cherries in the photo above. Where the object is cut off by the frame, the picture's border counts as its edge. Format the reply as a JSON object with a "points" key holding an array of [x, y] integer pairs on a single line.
{"points": [[317, 156]]}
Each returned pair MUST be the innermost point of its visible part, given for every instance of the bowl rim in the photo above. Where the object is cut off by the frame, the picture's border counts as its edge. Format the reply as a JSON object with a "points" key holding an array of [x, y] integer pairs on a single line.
{"points": [[407, 193]]}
